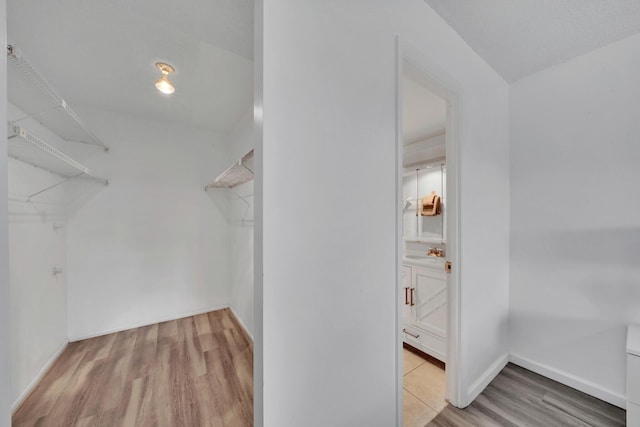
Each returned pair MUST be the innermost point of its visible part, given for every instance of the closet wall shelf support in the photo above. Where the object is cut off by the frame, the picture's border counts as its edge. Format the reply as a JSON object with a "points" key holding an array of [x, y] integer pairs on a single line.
{"points": [[77, 168], [17, 61], [51, 187], [235, 193]]}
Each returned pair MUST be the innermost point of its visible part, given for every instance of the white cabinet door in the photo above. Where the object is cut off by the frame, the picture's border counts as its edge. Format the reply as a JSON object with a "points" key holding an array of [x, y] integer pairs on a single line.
{"points": [[430, 298], [405, 292]]}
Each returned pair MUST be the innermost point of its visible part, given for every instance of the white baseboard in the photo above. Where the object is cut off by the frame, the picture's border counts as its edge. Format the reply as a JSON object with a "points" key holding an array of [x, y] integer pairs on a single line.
{"points": [[241, 323], [487, 376], [149, 322], [570, 380], [37, 378]]}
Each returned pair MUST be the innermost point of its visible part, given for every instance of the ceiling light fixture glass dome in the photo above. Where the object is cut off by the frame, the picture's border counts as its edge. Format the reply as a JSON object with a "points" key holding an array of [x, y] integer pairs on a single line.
{"points": [[163, 84]]}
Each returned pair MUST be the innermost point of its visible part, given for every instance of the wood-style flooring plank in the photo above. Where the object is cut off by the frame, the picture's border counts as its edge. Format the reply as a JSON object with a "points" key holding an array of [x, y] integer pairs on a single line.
{"points": [[162, 375], [144, 353], [103, 347], [113, 387], [168, 333], [44, 397], [518, 398]]}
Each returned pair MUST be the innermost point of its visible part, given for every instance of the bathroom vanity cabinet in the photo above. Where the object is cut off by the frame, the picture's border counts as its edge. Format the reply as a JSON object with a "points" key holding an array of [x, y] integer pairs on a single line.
{"points": [[424, 310]]}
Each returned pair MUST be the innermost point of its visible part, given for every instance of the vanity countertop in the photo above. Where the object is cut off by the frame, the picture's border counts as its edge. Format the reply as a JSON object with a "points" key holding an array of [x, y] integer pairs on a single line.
{"points": [[422, 259]]}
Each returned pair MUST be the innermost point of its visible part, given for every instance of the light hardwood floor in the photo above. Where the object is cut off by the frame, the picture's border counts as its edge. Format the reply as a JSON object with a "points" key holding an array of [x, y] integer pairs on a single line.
{"points": [[196, 371], [518, 397], [515, 398]]}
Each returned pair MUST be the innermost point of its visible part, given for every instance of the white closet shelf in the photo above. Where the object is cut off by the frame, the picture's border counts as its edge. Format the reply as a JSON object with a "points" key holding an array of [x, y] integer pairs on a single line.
{"points": [[237, 174], [28, 148], [31, 92]]}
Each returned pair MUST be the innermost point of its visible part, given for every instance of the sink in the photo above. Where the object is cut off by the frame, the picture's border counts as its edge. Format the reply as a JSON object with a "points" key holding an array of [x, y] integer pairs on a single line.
{"points": [[423, 259]]}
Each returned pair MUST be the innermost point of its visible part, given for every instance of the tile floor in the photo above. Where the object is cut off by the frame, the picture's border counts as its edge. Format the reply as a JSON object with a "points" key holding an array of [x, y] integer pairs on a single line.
{"points": [[423, 391]]}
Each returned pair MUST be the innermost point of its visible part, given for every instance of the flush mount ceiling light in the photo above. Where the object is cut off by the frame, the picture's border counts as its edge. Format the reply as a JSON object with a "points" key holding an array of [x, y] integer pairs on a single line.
{"points": [[163, 84]]}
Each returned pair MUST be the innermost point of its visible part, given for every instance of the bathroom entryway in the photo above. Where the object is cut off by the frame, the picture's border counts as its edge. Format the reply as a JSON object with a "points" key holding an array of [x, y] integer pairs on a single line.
{"points": [[427, 292]]}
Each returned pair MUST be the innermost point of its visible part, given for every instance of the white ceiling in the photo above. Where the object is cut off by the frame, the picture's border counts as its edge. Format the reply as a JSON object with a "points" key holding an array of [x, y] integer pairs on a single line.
{"points": [[519, 38], [102, 53], [424, 113]]}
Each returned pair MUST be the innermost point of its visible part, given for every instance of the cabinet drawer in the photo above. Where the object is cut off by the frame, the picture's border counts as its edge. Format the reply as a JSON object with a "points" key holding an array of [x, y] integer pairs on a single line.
{"points": [[431, 344], [411, 336], [408, 331], [434, 345], [407, 275], [633, 379]]}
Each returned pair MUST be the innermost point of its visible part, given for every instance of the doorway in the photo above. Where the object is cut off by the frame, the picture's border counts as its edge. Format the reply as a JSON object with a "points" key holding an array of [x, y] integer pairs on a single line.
{"points": [[121, 238], [427, 242]]}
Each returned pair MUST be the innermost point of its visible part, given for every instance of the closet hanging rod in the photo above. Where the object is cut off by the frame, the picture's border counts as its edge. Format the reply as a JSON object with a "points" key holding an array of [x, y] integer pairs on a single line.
{"points": [[15, 58], [20, 132]]}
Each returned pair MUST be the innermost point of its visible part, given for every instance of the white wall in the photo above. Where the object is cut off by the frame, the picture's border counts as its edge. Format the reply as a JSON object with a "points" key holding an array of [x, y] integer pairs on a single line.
{"points": [[5, 346], [38, 298], [241, 228], [424, 150], [575, 228], [152, 245], [329, 269]]}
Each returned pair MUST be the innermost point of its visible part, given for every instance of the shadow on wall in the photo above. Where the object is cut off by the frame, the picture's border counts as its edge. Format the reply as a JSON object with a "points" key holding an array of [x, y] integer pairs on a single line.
{"points": [[597, 269], [243, 209], [236, 205], [610, 246], [572, 294], [571, 335], [80, 192]]}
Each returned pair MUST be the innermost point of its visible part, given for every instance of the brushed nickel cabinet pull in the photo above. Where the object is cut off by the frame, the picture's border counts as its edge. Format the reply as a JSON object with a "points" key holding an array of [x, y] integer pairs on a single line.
{"points": [[409, 333], [412, 289]]}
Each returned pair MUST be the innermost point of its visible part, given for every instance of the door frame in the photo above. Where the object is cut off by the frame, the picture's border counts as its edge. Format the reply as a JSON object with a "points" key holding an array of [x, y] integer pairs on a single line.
{"points": [[407, 53]]}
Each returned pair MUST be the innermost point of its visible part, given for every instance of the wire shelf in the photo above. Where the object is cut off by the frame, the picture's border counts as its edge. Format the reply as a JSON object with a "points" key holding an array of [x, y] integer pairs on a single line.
{"points": [[28, 148], [31, 92], [237, 174]]}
